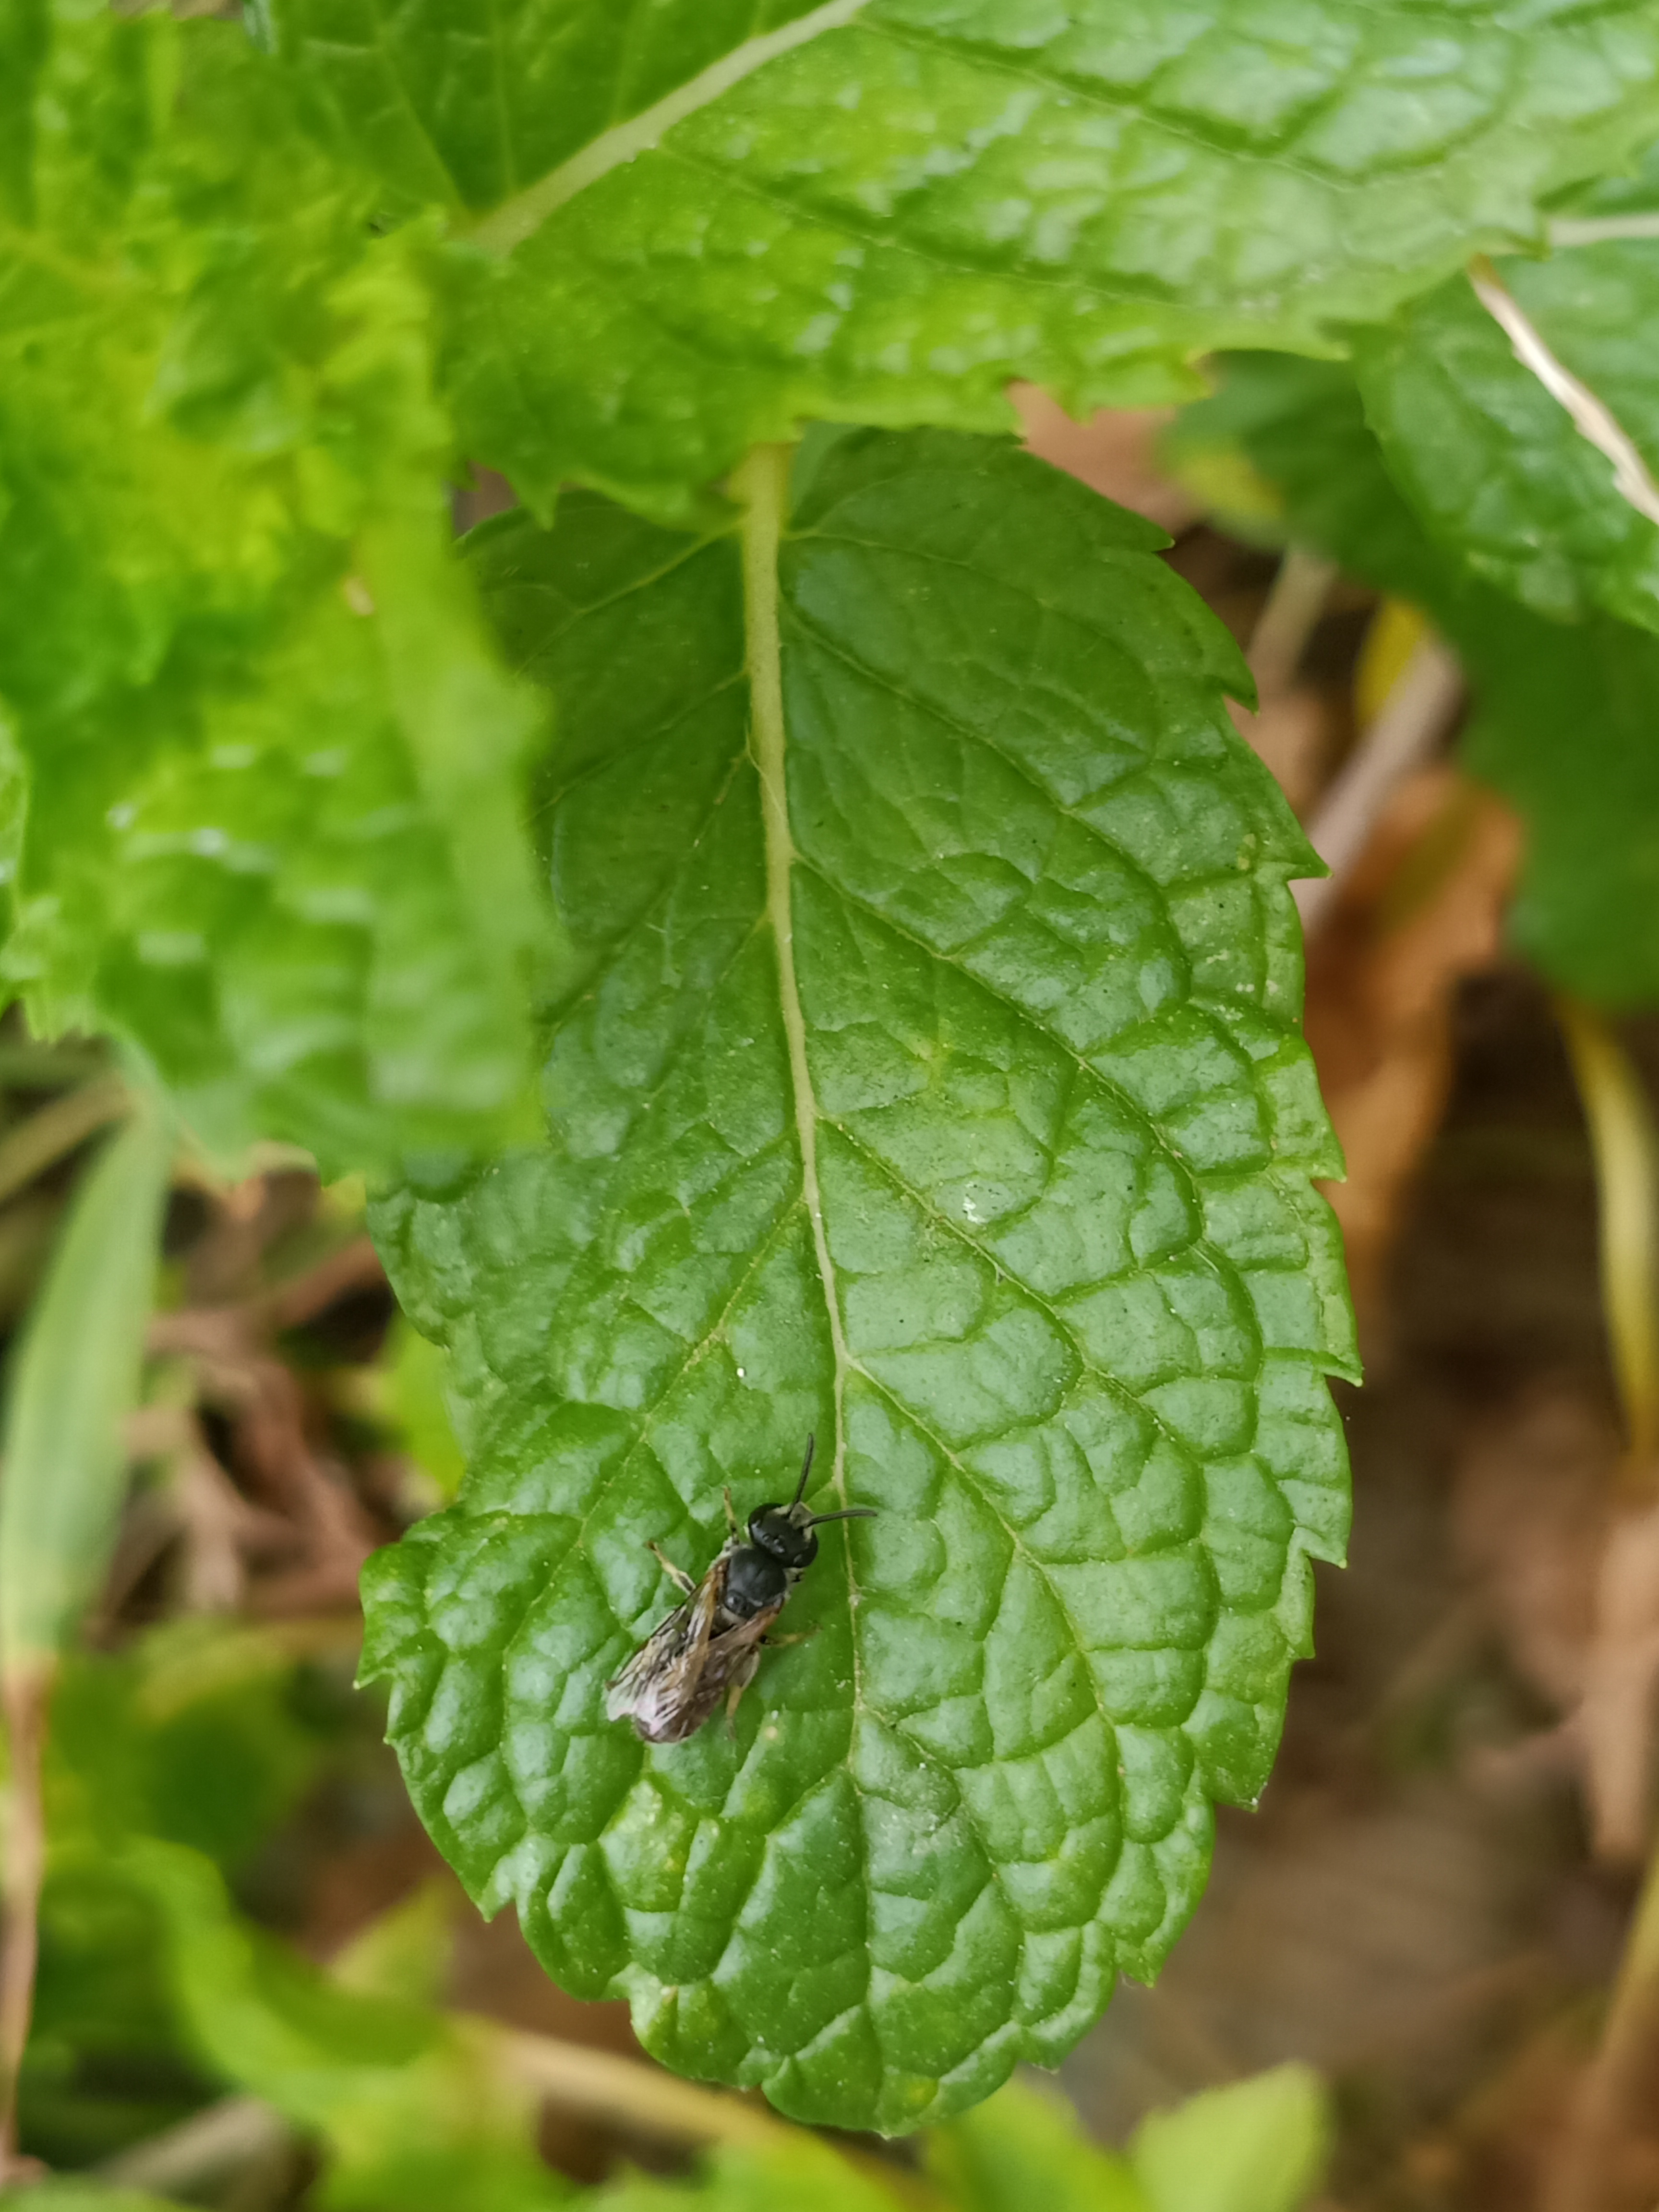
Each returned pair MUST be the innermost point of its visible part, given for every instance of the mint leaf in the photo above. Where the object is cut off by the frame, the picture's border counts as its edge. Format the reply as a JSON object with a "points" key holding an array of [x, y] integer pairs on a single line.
{"points": [[1563, 728], [1492, 464], [957, 1116], [258, 764], [1562, 718], [720, 221]]}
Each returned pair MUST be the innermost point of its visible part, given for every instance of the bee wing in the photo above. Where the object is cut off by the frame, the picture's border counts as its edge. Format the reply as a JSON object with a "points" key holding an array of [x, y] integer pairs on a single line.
{"points": [[653, 1689]]}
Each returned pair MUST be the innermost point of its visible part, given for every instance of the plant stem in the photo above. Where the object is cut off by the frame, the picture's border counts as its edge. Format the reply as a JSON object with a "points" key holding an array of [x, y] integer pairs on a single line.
{"points": [[1405, 732], [1626, 1150], [603, 2086], [1289, 619], [1591, 415], [48, 1135], [25, 1692], [1613, 2085]]}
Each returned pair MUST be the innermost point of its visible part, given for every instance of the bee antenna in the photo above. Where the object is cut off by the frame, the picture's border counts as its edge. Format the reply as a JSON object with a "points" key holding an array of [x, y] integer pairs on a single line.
{"points": [[847, 1513], [805, 1470]]}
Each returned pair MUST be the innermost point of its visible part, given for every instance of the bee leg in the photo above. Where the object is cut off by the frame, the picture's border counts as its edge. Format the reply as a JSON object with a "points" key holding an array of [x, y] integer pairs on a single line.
{"points": [[731, 1517], [802, 1636], [731, 1697], [677, 1576]]}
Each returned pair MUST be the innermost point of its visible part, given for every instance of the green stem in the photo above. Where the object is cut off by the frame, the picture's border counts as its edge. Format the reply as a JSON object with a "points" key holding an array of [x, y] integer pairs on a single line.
{"points": [[26, 1691], [1626, 1152]]}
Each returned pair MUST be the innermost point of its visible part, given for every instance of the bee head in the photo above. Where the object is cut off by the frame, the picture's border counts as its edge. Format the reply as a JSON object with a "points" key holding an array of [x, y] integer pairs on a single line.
{"points": [[786, 1531]]}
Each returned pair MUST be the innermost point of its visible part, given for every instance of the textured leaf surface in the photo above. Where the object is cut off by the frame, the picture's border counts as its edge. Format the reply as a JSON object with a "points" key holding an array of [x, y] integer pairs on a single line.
{"points": [[258, 766], [1494, 464], [725, 219], [1562, 724], [958, 1114]]}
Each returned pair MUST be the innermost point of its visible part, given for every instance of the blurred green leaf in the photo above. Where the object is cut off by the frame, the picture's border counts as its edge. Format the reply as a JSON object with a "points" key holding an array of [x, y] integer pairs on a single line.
{"points": [[1562, 723], [803, 2175], [1024, 2150], [194, 1733], [1257, 2146], [258, 767], [190, 1735], [1493, 465], [75, 1381], [883, 209], [413, 2108], [416, 1372], [78, 2193]]}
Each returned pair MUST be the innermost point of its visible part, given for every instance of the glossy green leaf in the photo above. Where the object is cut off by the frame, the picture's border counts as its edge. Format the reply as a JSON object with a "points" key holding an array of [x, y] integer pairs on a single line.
{"points": [[1563, 719], [1024, 2147], [1255, 2145], [926, 1077], [1494, 465], [723, 219], [73, 1382], [257, 765]]}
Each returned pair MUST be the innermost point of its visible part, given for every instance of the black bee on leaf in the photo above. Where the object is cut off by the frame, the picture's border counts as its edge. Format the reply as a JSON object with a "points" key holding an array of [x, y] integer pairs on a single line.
{"points": [[709, 1648]]}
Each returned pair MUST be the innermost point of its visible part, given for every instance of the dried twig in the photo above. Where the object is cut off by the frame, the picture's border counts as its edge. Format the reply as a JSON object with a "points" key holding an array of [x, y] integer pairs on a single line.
{"points": [[603, 2086], [1289, 618], [235, 2133], [1415, 718], [51, 1135], [1613, 2085], [1592, 417]]}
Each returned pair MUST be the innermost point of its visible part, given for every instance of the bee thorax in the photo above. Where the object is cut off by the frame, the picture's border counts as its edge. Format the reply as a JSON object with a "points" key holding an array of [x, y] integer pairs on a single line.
{"points": [[753, 1582]]}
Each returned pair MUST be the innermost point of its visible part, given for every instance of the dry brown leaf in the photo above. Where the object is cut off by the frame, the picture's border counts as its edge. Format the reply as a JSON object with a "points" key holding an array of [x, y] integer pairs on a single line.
{"points": [[1569, 1565], [1113, 453], [1293, 735], [1423, 909]]}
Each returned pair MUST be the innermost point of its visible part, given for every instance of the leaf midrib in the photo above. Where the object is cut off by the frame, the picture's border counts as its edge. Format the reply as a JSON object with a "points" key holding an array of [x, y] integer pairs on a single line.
{"points": [[762, 486], [518, 218]]}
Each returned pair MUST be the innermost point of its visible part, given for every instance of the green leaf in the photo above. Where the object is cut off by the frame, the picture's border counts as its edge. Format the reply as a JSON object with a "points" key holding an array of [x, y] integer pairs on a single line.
{"points": [[75, 1381], [78, 2193], [1562, 724], [1257, 2146], [413, 2107], [924, 1077], [258, 762], [189, 1733], [414, 1369], [1024, 2147], [802, 2174], [720, 220], [1494, 465]]}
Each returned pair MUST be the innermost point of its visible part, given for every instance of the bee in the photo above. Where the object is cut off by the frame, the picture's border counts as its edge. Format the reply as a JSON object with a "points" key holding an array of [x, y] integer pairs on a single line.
{"points": [[710, 1646]]}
